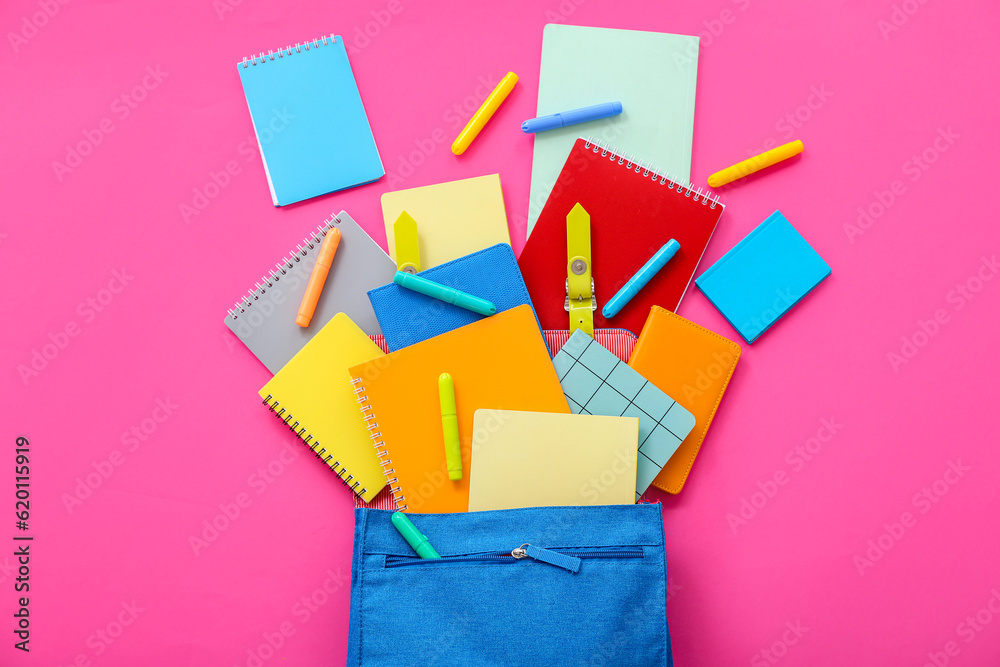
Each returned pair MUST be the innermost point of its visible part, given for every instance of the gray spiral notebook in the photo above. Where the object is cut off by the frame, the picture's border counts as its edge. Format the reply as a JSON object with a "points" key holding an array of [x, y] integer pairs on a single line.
{"points": [[264, 319]]}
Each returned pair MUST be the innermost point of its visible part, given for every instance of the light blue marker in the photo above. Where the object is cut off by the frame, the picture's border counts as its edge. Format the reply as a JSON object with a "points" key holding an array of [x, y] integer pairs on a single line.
{"points": [[639, 280], [572, 117]]}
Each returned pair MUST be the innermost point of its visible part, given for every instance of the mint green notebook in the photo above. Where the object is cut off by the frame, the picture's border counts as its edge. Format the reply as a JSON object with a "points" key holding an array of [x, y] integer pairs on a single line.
{"points": [[653, 75]]}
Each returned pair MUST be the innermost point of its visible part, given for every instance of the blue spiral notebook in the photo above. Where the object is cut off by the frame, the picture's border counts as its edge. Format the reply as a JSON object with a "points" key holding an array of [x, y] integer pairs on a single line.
{"points": [[407, 317], [763, 276], [311, 126]]}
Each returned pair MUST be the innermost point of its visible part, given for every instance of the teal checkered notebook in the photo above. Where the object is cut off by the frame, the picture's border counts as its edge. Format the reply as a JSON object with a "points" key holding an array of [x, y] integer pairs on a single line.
{"points": [[596, 382]]}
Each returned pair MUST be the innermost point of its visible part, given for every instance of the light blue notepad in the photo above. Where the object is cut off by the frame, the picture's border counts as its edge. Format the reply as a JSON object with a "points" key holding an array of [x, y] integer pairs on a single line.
{"points": [[596, 382], [763, 276], [311, 127]]}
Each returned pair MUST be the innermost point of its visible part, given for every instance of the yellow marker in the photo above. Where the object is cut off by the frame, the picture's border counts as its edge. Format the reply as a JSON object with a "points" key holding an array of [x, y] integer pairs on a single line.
{"points": [[404, 231], [484, 113], [756, 163], [449, 426]]}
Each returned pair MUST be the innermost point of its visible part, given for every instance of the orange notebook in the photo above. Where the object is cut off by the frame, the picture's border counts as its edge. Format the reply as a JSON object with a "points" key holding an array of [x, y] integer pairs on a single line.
{"points": [[692, 364], [499, 363]]}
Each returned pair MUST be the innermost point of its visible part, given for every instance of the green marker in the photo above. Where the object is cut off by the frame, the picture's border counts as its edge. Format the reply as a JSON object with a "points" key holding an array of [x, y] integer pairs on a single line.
{"points": [[449, 425], [413, 536], [444, 293]]}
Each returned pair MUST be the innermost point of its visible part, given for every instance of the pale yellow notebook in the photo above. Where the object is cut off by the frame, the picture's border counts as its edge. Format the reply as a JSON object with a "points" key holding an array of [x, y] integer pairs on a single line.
{"points": [[314, 396], [453, 219], [538, 459]]}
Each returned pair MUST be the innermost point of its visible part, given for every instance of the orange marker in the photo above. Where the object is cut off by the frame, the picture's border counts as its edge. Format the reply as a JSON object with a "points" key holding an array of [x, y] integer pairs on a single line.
{"points": [[318, 277]]}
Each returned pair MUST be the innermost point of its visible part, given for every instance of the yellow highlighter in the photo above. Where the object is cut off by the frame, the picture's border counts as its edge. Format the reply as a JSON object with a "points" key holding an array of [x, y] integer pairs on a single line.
{"points": [[449, 424], [318, 277], [484, 113], [754, 164]]}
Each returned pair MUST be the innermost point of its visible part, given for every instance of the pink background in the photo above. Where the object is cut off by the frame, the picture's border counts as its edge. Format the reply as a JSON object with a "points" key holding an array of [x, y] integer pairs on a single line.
{"points": [[734, 586]]}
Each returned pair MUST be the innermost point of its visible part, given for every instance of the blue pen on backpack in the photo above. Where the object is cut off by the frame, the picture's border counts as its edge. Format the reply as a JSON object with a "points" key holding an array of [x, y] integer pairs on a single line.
{"points": [[572, 117], [639, 280]]}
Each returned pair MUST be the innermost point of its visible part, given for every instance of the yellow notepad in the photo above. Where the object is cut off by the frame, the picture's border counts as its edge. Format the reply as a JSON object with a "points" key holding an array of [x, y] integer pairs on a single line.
{"points": [[314, 396], [537, 459], [453, 219]]}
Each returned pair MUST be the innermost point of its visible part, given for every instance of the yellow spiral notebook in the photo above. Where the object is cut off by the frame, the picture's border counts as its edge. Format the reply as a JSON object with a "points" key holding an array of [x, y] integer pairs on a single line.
{"points": [[314, 396]]}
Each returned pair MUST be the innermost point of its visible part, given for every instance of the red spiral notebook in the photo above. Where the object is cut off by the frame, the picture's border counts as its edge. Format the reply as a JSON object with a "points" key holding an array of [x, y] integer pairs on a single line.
{"points": [[633, 211]]}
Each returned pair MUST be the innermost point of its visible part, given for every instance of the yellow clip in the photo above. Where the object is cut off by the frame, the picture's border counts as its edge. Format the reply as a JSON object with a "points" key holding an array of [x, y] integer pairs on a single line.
{"points": [[580, 299], [407, 247]]}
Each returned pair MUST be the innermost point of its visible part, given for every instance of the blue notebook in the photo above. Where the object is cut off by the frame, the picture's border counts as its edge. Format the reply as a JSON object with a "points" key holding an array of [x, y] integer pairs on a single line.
{"points": [[596, 382], [407, 317], [311, 127], [763, 276]]}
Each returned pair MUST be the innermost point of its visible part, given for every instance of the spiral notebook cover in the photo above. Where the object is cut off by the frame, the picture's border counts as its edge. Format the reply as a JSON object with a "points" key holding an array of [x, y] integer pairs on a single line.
{"points": [[311, 126], [453, 218], [653, 75], [408, 317], [313, 395], [597, 382], [763, 276], [693, 364], [264, 319], [541, 459], [498, 363], [633, 212]]}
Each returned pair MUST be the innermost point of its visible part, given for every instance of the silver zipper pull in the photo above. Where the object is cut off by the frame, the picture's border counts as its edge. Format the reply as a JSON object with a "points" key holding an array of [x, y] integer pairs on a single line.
{"points": [[571, 563]]}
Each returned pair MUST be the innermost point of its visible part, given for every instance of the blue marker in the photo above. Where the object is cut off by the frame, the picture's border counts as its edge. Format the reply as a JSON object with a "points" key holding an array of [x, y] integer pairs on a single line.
{"points": [[639, 280], [573, 117]]}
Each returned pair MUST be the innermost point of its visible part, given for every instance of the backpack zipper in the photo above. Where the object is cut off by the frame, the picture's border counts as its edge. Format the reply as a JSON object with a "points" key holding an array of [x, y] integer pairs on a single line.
{"points": [[566, 558]]}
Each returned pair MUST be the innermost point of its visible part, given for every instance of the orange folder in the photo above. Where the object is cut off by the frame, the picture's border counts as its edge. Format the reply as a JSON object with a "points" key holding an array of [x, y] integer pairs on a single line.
{"points": [[693, 365], [498, 363]]}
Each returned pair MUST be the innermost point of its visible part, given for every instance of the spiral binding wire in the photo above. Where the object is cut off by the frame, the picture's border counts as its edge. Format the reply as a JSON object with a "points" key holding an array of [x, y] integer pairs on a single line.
{"points": [[672, 183], [317, 449], [376, 436], [281, 268], [287, 51]]}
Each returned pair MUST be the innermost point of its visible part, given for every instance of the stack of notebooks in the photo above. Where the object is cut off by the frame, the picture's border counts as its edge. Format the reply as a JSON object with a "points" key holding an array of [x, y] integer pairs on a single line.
{"points": [[546, 414]]}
